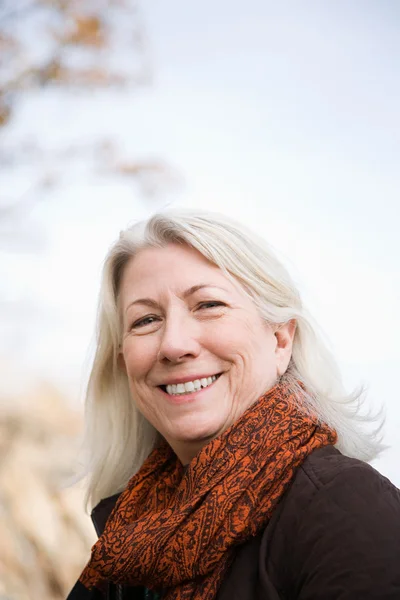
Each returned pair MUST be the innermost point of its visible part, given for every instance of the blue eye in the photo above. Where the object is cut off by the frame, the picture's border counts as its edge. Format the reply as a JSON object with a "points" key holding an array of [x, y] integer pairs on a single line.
{"points": [[211, 304], [145, 321]]}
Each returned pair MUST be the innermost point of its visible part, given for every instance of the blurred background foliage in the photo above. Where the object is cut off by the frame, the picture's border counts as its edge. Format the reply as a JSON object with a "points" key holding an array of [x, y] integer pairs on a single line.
{"points": [[65, 49], [62, 49], [45, 534]]}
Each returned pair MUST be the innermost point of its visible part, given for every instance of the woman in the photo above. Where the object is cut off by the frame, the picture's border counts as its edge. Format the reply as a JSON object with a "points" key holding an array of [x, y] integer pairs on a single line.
{"points": [[226, 459]]}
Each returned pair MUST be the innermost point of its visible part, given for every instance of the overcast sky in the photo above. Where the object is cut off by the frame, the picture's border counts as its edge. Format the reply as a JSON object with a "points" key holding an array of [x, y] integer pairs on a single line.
{"points": [[282, 114]]}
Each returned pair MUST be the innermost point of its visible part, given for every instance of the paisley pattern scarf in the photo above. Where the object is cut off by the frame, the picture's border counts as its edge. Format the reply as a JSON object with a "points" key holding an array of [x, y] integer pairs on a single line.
{"points": [[175, 530]]}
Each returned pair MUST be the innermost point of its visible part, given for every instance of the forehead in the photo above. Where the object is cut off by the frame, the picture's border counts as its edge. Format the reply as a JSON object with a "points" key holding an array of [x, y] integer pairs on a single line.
{"points": [[175, 266]]}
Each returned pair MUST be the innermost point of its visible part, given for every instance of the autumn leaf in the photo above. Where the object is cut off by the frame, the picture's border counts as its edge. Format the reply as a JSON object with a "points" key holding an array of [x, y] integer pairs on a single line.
{"points": [[86, 31], [5, 111]]}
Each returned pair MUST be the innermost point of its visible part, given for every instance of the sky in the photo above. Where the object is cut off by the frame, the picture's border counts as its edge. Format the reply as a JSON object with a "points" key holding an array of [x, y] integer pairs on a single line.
{"points": [[282, 115]]}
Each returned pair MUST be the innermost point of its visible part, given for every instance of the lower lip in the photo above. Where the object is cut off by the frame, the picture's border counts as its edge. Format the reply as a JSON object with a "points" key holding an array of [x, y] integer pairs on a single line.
{"points": [[187, 398]]}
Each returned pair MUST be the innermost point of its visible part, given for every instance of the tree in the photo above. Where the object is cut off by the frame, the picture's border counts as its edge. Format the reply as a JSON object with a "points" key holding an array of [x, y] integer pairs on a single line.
{"points": [[64, 48]]}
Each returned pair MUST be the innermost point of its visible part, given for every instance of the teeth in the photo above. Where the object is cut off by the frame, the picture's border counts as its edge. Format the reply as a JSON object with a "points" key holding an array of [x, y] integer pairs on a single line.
{"points": [[190, 386]]}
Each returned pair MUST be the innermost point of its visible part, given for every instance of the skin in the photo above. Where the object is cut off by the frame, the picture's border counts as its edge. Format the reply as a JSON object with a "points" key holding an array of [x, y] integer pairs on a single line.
{"points": [[174, 330]]}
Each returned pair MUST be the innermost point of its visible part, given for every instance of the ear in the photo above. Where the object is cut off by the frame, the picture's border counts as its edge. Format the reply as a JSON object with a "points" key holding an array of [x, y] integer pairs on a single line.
{"points": [[284, 344]]}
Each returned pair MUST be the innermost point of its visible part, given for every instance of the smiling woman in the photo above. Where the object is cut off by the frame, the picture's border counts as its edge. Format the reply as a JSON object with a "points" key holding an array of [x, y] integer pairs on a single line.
{"points": [[214, 411], [206, 342]]}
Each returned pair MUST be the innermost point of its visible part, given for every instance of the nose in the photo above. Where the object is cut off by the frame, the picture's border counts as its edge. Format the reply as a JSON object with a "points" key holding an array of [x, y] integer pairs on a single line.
{"points": [[179, 340]]}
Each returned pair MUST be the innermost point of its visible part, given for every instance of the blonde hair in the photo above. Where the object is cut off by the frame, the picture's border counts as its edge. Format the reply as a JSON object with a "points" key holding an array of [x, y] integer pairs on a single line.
{"points": [[118, 437]]}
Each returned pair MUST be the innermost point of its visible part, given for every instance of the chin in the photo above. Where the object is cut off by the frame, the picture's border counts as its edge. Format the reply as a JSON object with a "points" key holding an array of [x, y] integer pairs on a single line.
{"points": [[196, 432]]}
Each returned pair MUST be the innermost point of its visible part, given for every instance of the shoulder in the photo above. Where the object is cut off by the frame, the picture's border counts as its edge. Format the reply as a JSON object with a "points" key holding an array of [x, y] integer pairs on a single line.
{"points": [[328, 468], [329, 475], [336, 529], [335, 491], [334, 486]]}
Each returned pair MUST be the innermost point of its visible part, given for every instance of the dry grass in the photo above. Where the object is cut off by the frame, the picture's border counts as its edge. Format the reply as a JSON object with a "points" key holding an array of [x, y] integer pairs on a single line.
{"points": [[45, 534]]}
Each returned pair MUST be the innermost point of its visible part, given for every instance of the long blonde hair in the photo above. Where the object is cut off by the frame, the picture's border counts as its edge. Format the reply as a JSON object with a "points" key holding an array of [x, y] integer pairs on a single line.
{"points": [[118, 437]]}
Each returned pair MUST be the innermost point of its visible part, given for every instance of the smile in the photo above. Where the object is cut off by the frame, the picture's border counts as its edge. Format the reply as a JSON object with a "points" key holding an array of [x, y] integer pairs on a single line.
{"points": [[189, 386]]}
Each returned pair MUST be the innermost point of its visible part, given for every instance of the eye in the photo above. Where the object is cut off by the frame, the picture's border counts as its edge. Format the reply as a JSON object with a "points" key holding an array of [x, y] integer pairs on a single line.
{"points": [[149, 320], [211, 304]]}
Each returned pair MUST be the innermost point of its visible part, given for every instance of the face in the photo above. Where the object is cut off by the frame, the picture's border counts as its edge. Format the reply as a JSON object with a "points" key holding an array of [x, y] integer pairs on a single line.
{"points": [[195, 350]]}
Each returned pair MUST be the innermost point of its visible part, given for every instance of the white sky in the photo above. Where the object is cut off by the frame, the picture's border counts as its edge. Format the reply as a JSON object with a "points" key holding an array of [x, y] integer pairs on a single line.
{"points": [[283, 115]]}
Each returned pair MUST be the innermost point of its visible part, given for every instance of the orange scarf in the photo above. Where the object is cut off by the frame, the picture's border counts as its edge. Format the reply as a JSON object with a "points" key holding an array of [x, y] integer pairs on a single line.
{"points": [[176, 530]]}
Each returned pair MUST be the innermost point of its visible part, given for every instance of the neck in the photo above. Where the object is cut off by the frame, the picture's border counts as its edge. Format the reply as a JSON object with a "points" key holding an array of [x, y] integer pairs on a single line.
{"points": [[187, 450]]}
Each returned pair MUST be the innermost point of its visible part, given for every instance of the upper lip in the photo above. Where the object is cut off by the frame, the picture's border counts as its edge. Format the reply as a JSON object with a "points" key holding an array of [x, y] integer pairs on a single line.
{"points": [[186, 378]]}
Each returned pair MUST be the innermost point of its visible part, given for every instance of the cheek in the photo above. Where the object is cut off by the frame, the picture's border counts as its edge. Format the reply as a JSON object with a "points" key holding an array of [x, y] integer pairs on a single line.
{"points": [[243, 337], [250, 349], [139, 358]]}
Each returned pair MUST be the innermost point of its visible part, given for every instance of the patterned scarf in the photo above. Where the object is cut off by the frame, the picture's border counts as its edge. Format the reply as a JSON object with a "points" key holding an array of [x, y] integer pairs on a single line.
{"points": [[176, 530]]}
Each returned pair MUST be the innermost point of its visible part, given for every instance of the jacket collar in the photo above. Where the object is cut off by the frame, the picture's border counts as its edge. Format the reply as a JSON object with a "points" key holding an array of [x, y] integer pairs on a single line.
{"points": [[102, 511]]}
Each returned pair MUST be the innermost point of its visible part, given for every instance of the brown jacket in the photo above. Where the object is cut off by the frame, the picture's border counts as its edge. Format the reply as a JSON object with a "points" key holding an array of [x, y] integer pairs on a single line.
{"points": [[335, 535]]}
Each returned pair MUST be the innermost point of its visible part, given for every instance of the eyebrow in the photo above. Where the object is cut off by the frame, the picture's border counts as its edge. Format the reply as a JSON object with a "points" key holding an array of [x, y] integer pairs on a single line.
{"points": [[189, 292]]}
